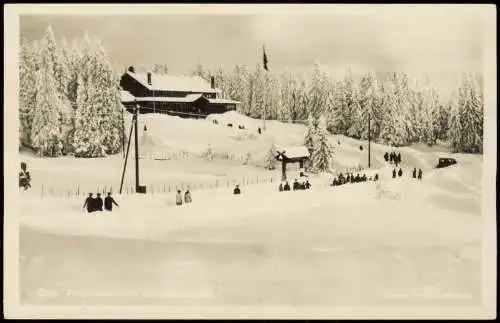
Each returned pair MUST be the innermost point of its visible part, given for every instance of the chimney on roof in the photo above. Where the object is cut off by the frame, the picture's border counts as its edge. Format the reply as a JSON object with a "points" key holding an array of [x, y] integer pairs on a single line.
{"points": [[212, 82], [149, 78]]}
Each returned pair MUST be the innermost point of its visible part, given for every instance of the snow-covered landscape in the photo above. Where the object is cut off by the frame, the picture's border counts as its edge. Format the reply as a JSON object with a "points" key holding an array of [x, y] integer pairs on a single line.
{"points": [[380, 131], [393, 241]]}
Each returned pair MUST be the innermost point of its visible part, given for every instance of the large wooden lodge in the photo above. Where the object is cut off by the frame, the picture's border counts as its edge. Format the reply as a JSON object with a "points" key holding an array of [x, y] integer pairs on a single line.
{"points": [[184, 96]]}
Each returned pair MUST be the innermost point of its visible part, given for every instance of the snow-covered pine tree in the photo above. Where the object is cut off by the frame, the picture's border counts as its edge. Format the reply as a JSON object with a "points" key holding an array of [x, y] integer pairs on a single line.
{"points": [[370, 107], [46, 134], [270, 157], [309, 139], [257, 103], [393, 130], [471, 115], [107, 101], [27, 91], [455, 124], [302, 100], [317, 91], [322, 151]]}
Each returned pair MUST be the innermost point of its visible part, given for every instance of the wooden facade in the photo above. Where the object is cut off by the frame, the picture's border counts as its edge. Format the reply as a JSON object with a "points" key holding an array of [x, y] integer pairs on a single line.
{"points": [[168, 95]]}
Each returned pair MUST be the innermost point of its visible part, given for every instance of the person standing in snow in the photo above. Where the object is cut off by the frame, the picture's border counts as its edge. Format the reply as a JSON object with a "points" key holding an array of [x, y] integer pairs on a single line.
{"points": [[414, 173], [386, 156], [178, 198], [24, 177], [399, 158], [307, 185], [420, 174], [98, 202], [394, 173], [89, 203], [286, 187], [259, 130], [187, 197], [375, 178], [237, 190], [108, 202], [280, 188], [400, 172], [296, 185]]}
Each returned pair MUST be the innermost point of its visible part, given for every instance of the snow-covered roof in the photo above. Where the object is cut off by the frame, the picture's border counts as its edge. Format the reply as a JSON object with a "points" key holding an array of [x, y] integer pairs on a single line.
{"points": [[174, 83], [294, 152], [188, 98], [223, 101], [126, 96]]}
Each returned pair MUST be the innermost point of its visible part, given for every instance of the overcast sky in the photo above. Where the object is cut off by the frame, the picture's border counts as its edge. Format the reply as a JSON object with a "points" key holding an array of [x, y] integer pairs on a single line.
{"points": [[441, 43]]}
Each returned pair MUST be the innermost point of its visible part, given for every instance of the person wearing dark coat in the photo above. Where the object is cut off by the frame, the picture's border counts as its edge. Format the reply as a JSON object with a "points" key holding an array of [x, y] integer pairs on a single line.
{"points": [[414, 173], [237, 190], [307, 185], [399, 158], [302, 186], [259, 130], [286, 187], [98, 202], [280, 188], [108, 202], [420, 173], [334, 182], [296, 185], [361, 148], [386, 156], [24, 177], [178, 198], [187, 197], [363, 178], [89, 203], [391, 157], [358, 178], [400, 172], [394, 173], [375, 178]]}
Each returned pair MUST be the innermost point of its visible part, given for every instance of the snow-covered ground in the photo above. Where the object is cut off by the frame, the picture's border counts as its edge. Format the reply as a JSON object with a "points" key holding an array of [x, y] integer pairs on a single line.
{"points": [[397, 241]]}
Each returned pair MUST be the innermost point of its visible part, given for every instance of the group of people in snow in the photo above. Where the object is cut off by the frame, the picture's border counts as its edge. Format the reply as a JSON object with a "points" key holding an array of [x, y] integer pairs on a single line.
{"points": [[415, 175], [24, 177], [93, 204], [187, 197], [305, 185], [350, 178], [393, 158]]}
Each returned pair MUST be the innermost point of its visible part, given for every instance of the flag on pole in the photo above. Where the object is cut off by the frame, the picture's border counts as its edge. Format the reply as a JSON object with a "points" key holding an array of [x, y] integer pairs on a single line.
{"points": [[265, 58]]}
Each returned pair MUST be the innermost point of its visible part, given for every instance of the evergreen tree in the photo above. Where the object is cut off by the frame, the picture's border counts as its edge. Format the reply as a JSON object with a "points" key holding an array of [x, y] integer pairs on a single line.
{"points": [[323, 151], [317, 92], [466, 123], [46, 132], [27, 91], [270, 158], [87, 137], [393, 130]]}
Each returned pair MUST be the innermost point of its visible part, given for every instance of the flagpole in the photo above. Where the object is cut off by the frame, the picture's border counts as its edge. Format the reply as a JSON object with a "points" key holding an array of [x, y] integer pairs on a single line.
{"points": [[266, 69]]}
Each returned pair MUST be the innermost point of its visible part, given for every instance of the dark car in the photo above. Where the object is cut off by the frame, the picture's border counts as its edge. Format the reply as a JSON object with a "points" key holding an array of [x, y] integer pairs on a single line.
{"points": [[445, 162]]}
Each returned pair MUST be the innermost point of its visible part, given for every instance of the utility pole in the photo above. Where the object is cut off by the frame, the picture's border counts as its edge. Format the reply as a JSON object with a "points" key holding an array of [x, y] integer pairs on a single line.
{"points": [[136, 142], [369, 141], [123, 132], [126, 155]]}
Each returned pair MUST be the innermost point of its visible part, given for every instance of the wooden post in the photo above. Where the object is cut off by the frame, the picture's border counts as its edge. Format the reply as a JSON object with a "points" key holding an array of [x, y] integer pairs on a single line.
{"points": [[136, 144], [369, 141], [126, 155]]}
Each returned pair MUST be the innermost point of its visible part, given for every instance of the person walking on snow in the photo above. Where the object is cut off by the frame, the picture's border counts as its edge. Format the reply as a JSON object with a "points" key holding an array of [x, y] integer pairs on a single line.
{"points": [[178, 198], [98, 202], [308, 185], [89, 203], [108, 202], [394, 173], [420, 174], [400, 172], [187, 197], [414, 173]]}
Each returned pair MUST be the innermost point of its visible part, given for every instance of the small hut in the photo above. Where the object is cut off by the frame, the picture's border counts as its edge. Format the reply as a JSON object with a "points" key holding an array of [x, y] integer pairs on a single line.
{"points": [[291, 155]]}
